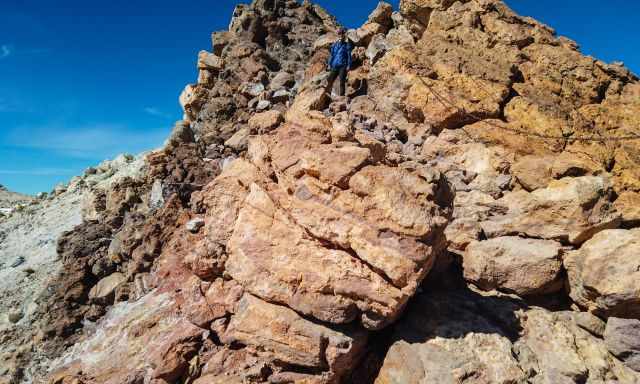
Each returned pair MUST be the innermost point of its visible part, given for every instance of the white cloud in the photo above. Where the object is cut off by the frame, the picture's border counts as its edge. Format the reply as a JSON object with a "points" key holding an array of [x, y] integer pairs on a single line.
{"points": [[5, 51], [153, 111], [98, 141]]}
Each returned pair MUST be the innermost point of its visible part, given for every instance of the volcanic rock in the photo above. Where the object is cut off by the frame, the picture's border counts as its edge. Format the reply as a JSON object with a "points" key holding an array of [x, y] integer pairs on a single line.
{"points": [[474, 147], [265, 122], [603, 274], [570, 210], [513, 264], [450, 336], [622, 338], [106, 286]]}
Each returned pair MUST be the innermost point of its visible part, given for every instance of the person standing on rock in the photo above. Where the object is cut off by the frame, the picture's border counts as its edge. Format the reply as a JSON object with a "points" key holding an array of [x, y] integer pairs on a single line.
{"points": [[340, 61]]}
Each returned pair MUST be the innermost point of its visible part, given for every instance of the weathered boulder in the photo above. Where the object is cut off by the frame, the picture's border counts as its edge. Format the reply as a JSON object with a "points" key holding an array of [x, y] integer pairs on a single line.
{"points": [[333, 164], [127, 348], [461, 335], [622, 338], [382, 14], [570, 210], [239, 140], [265, 122], [604, 277], [209, 61], [533, 172], [515, 265], [285, 336], [628, 204], [107, 286], [282, 80], [328, 284], [195, 225]]}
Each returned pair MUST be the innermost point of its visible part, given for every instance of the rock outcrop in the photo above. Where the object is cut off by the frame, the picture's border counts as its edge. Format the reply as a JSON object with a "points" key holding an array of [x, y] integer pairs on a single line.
{"points": [[512, 264], [622, 338], [466, 213], [604, 275], [463, 335], [11, 202]]}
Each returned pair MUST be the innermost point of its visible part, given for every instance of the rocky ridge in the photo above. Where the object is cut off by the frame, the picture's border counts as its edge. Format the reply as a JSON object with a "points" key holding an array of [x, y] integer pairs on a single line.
{"points": [[465, 215], [11, 201]]}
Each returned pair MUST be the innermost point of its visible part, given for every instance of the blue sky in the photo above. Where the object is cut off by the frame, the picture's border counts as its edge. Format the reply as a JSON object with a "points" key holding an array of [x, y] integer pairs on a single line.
{"points": [[81, 81]]}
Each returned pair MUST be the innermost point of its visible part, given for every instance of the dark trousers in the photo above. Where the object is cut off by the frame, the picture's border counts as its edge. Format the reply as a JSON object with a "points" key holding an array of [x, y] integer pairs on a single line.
{"points": [[335, 73]]}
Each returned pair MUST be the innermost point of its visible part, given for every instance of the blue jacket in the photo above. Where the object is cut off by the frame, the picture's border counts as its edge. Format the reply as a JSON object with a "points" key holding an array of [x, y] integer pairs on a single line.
{"points": [[340, 55]]}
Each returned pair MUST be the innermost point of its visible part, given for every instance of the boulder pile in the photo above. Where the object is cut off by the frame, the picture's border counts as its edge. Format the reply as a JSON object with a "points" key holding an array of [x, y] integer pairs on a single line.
{"points": [[466, 214]]}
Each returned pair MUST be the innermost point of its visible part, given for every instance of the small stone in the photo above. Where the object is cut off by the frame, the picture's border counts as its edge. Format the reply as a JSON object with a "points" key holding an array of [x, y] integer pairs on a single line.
{"points": [[263, 105], [265, 121], [17, 262], [209, 61], [59, 189], [15, 316], [90, 171], [194, 225], [42, 195], [239, 140], [253, 89], [107, 286], [281, 96], [503, 181], [282, 80]]}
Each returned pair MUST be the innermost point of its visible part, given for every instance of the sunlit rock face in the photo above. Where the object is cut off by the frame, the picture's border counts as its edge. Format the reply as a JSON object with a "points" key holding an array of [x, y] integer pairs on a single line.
{"points": [[465, 214]]}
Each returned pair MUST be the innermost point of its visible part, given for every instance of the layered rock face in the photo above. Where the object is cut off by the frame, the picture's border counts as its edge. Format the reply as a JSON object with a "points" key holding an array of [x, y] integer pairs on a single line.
{"points": [[466, 214]]}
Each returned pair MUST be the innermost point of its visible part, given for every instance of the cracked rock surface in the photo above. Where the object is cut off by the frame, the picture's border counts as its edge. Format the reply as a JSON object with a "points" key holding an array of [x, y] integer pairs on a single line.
{"points": [[466, 214]]}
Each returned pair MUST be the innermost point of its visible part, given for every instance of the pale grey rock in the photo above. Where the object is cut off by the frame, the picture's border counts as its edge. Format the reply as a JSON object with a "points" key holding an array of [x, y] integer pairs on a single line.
{"points": [[194, 225], [263, 105], [210, 61], [604, 277], [107, 286], [453, 336], [239, 140], [622, 337], [282, 80], [514, 265], [15, 316], [377, 48], [253, 89], [156, 198], [572, 210]]}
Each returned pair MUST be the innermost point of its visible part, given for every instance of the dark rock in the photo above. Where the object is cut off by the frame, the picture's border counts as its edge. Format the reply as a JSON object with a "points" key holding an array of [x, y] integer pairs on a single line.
{"points": [[622, 337]]}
